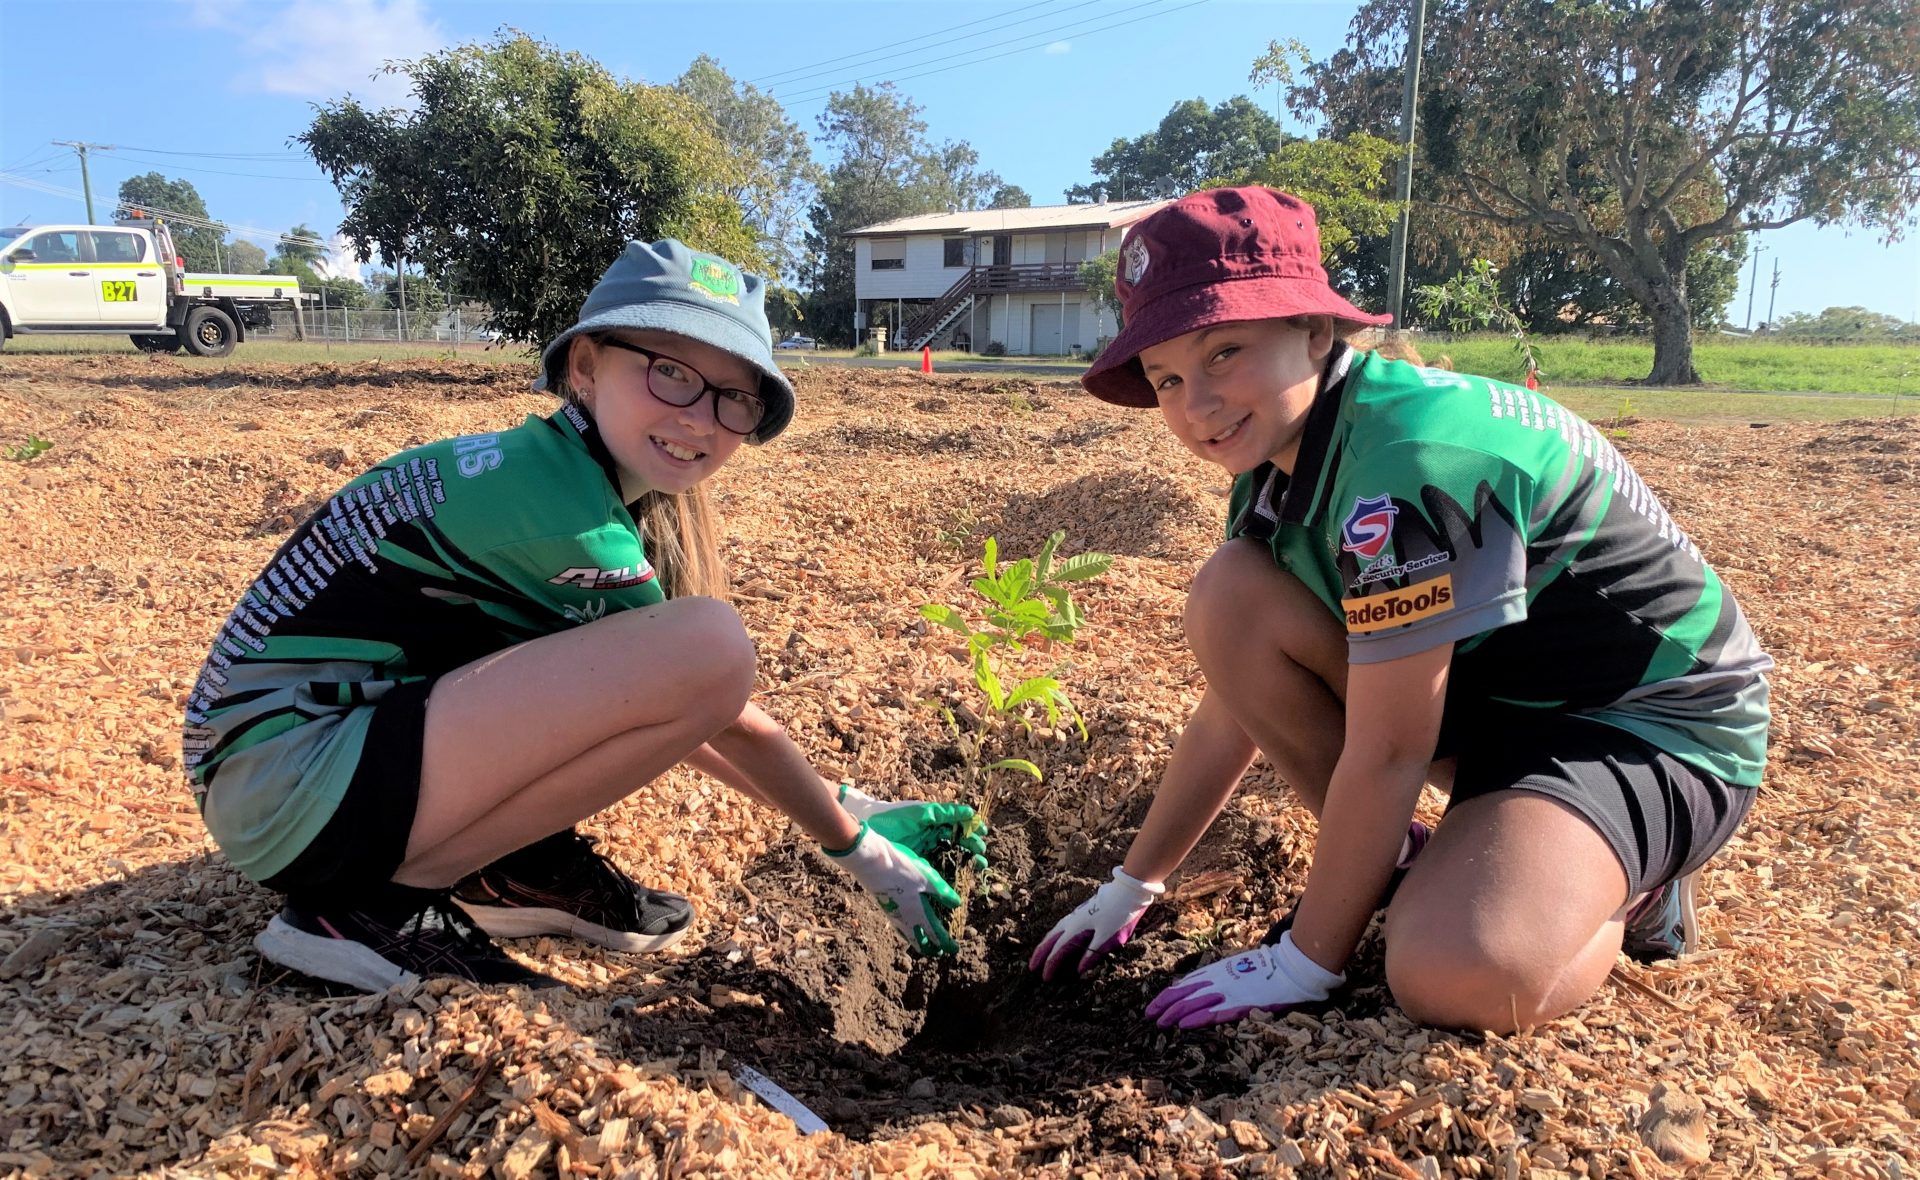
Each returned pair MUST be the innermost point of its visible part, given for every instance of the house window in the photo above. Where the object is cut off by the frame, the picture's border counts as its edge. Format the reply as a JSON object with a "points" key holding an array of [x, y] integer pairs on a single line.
{"points": [[958, 251], [890, 254]]}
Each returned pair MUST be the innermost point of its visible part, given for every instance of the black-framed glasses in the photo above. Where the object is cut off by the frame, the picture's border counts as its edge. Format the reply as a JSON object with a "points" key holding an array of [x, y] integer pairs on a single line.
{"points": [[677, 383]]}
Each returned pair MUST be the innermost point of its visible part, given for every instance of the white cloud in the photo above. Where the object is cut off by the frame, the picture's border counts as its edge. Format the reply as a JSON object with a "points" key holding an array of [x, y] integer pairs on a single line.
{"points": [[324, 49], [339, 261], [1060, 47]]}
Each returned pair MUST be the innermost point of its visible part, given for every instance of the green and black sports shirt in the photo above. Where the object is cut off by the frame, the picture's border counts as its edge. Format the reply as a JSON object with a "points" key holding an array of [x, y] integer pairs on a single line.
{"points": [[432, 559], [1430, 507]]}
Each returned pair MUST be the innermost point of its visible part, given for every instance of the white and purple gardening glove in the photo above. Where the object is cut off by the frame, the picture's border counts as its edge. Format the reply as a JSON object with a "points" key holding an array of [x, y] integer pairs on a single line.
{"points": [[1102, 924], [1271, 978]]}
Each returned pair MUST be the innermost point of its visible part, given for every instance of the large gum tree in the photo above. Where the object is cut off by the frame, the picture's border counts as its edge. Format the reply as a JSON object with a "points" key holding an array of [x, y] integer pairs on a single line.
{"points": [[1633, 132]]}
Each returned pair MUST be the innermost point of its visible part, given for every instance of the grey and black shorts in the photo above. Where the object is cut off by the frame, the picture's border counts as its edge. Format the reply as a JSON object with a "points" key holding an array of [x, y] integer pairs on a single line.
{"points": [[1663, 818], [365, 841]]}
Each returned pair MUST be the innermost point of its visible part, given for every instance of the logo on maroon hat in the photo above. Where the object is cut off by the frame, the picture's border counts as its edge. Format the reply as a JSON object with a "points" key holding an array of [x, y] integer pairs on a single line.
{"points": [[1136, 259]]}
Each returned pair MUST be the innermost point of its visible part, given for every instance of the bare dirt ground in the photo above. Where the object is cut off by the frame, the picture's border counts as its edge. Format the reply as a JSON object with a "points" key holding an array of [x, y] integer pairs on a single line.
{"points": [[139, 1032]]}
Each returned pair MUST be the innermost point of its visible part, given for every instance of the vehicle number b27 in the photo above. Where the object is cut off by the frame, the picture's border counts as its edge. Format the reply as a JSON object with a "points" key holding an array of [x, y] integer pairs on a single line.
{"points": [[118, 292]]}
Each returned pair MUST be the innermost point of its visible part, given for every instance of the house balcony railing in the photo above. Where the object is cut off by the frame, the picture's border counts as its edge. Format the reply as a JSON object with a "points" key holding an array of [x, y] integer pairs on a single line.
{"points": [[988, 280]]}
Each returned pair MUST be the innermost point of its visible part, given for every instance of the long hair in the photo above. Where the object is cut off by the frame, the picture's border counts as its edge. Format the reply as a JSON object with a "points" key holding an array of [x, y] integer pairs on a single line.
{"points": [[682, 535], [680, 530]]}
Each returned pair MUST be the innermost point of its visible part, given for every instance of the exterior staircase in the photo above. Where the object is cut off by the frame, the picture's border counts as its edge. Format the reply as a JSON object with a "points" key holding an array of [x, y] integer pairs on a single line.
{"points": [[986, 280]]}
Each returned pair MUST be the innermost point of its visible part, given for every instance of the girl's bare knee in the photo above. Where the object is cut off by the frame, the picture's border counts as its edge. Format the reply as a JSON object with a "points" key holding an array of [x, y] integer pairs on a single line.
{"points": [[1241, 600], [1218, 603], [1464, 987], [722, 657], [702, 654]]}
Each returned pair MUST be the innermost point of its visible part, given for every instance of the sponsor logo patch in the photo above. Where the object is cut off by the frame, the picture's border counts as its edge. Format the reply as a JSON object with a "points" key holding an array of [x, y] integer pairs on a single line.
{"points": [[1135, 259], [1369, 526], [591, 577], [1387, 571], [1396, 608], [716, 280]]}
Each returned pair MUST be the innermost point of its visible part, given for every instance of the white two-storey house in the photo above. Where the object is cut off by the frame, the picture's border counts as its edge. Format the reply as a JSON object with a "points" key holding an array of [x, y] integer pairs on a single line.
{"points": [[1009, 277]]}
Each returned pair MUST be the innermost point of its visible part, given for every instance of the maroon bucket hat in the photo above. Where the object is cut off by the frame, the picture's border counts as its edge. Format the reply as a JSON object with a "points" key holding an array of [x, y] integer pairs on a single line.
{"points": [[1213, 257]]}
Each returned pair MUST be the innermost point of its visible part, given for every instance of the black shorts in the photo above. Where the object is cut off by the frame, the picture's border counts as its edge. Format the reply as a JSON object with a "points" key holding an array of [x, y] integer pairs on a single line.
{"points": [[366, 839], [1663, 818]]}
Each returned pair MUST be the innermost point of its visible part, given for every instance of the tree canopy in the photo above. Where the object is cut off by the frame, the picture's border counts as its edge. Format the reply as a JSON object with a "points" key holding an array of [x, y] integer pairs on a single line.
{"points": [[1846, 323], [524, 170], [1010, 196], [777, 176], [1631, 133], [154, 192], [1193, 144], [245, 258], [884, 168]]}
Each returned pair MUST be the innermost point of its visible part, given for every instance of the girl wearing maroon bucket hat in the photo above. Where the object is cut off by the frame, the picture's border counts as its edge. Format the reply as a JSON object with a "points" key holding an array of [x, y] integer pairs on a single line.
{"points": [[1427, 576]]}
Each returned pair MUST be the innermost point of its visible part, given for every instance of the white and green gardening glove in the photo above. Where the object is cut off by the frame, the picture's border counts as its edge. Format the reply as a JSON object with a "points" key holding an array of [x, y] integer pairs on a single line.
{"points": [[914, 896], [924, 828]]}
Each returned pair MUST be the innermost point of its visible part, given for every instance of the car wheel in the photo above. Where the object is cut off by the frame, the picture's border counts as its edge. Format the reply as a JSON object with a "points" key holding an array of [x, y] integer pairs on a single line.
{"points": [[210, 332], [155, 342]]}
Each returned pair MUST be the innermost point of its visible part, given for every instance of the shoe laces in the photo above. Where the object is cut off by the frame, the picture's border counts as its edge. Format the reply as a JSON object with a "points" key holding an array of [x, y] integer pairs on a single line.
{"points": [[583, 862], [452, 923]]}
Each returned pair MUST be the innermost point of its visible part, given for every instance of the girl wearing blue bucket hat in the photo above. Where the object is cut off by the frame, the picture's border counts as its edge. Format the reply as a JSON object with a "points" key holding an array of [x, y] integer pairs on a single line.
{"points": [[481, 641]]}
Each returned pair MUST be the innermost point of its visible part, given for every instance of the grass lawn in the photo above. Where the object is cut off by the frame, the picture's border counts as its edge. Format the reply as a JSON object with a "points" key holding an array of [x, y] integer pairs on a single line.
{"points": [[1602, 404], [1724, 362]]}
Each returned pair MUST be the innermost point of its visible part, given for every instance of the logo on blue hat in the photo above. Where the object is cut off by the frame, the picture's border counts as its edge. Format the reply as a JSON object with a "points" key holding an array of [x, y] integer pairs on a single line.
{"points": [[717, 280]]}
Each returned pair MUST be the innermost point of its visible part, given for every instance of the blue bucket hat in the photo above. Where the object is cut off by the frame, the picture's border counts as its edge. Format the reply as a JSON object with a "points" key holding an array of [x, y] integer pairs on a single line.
{"points": [[669, 288]]}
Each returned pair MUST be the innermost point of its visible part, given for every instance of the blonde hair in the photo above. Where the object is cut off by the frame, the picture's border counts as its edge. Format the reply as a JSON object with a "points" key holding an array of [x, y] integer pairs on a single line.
{"points": [[681, 532], [682, 535]]}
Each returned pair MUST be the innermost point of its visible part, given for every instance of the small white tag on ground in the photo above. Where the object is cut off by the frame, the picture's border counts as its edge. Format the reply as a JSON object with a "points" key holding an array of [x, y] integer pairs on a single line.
{"points": [[779, 1099]]}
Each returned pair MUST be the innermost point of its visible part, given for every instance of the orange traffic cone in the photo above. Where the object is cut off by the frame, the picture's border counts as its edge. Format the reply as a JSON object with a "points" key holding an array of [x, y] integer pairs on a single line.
{"points": [[926, 358]]}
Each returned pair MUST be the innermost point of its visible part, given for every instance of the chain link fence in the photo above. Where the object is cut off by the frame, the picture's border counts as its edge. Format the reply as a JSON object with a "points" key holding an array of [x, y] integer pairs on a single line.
{"points": [[382, 325]]}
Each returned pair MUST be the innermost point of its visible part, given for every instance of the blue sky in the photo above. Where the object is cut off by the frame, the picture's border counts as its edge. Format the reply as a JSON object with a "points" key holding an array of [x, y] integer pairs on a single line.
{"points": [[1039, 88]]}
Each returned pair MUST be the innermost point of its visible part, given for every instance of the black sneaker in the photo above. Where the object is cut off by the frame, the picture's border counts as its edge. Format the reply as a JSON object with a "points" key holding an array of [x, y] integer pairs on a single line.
{"points": [[560, 885], [1418, 834], [393, 939], [1664, 924]]}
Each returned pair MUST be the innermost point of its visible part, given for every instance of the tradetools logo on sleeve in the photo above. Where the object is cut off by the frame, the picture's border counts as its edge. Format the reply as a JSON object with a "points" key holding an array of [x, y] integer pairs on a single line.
{"points": [[1369, 527], [1396, 608]]}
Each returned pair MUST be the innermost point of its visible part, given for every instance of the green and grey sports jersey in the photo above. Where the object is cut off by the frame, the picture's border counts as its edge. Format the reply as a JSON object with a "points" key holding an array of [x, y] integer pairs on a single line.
{"points": [[1430, 507], [434, 558]]}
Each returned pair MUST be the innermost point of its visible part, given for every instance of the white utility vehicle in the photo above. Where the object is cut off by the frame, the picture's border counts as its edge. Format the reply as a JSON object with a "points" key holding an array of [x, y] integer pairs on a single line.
{"points": [[127, 279]]}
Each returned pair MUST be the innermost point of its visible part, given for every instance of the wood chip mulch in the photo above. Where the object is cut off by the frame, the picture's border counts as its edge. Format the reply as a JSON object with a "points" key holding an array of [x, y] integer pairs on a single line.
{"points": [[140, 1033]]}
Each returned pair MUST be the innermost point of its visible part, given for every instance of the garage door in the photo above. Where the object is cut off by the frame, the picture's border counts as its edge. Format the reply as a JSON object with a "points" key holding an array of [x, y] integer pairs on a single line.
{"points": [[1051, 336]]}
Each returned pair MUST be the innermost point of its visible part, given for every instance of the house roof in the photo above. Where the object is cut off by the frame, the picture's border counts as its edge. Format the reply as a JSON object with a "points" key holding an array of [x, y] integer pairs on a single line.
{"points": [[1105, 215]]}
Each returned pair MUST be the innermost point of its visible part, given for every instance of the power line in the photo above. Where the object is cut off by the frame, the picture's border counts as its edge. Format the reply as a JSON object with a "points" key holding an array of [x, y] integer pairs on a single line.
{"points": [[863, 52], [1040, 36], [880, 59], [822, 93], [187, 219], [220, 172], [213, 155]]}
